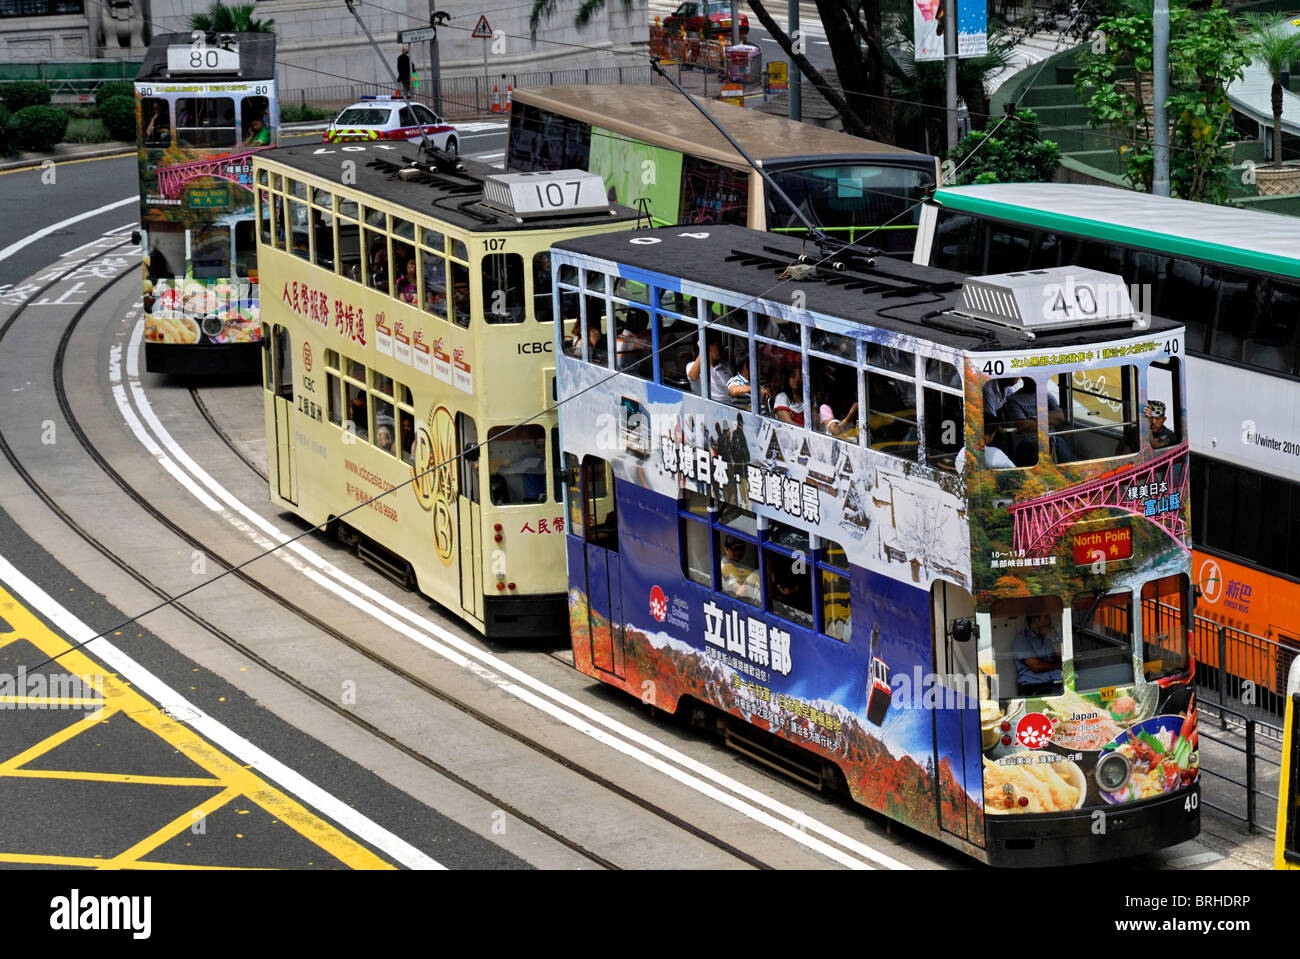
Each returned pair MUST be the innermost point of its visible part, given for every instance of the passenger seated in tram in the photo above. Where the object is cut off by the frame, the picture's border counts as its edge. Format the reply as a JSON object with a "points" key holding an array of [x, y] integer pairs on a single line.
{"points": [[357, 414], [379, 267], [408, 289], [738, 386], [787, 405], [384, 437], [719, 371], [739, 573], [791, 592]]}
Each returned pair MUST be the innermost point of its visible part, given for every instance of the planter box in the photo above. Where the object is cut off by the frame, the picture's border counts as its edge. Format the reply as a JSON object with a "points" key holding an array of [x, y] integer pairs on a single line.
{"points": [[1277, 181]]}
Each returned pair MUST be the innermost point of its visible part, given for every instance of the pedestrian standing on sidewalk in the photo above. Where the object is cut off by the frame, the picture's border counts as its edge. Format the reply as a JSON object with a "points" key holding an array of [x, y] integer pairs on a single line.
{"points": [[404, 69]]}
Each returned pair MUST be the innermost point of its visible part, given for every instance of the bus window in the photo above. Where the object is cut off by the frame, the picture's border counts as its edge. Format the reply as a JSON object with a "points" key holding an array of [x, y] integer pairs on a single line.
{"points": [[517, 464], [1008, 248], [1103, 640], [945, 429], [693, 522], [333, 388], [789, 573], [206, 123], [573, 493], [891, 414], [1272, 343], [156, 117], [1106, 257], [255, 121], [958, 242], [837, 610], [210, 251], [1241, 299], [322, 230], [245, 258], [834, 398], [1090, 411], [1164, 403], [856, 199], [1164, 627], [460, 294], [433, 268], [1189, 295], [542, 311], [1149, 272], [1026, 646], [712, 193], [1011, 408], [503, 288]]}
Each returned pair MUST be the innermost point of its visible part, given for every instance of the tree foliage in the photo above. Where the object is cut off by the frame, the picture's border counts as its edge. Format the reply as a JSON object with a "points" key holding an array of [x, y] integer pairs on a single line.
{"points": [[40, 127], [1273, 46], [1012, 152], [26, 93], [223, 18], [1206, 53], [114, 88], [118, 116]]}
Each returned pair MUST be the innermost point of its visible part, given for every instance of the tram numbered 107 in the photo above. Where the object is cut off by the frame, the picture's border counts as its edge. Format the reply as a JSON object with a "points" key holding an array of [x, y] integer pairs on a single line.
{"points": [[407, 317], [917, 528], [204, 107]]}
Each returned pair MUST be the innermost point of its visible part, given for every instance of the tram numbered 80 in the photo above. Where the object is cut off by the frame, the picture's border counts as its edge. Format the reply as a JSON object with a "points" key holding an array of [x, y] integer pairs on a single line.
{"points": [[407, 322], [921, 529]]}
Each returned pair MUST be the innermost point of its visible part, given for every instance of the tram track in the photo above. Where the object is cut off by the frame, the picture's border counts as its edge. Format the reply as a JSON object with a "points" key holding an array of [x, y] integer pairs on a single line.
{"points": [[93, 451]]}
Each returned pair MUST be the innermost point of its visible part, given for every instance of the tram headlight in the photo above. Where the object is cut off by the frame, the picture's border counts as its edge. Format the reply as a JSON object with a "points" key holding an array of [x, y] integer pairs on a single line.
{"points": [[213, 325], [1113, 771]]}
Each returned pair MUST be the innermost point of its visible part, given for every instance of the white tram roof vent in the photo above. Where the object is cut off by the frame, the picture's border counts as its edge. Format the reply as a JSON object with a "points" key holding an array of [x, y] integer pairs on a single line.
{"points": [[1051, 300], [546, 193]]}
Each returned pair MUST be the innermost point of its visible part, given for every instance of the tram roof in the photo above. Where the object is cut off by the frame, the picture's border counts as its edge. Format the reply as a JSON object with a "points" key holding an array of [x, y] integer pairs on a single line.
{"points": [[444, 197], [256, 60], [894, 295]]}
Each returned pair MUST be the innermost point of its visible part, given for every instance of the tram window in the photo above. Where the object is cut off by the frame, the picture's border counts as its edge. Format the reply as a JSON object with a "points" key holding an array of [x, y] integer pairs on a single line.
{"points": [[1026, 647], [264, 216], [599, 507], [210, 252], [349, 208], [1272, 345], [570, 316], [789, 573], [458, 249], [404, 229], [768, 327], [255, 121], [780, 380], [349, 247], [677, 302], [631, 290], [891, 411], [406, 435], [834, 398], [432, 240], [1164, 627], [1011, 421], [206, 122], [299, 245], [1189, 295], [1164, 396], [433, 268], [460, 294], [156, 117], [517, 464], [1090, 412], [834, 345], [322, 229], [503, 288], [245, 258], [891, 358], [381, 383], [356, 370], [542, 311], [281, 229], [1102, 628], [385, 431], [296, 188], [556, 478], [406, 275], [693, 522], [737, 567], [942, 372], [836, 595], [678, 343], [945, 429], [376, 253], [469, 460], [334, 394], [573, 492], [358, 421], [633, 344]]}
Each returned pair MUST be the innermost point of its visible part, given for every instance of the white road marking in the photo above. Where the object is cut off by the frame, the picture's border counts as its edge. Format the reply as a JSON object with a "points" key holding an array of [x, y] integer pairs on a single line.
{"points": [[785, 819], [236, 745], [31, 238]]}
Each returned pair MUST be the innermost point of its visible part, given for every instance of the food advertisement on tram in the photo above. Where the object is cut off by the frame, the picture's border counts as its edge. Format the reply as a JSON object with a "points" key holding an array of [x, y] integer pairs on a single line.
{"points": [[196, 145], [1081, 549]]}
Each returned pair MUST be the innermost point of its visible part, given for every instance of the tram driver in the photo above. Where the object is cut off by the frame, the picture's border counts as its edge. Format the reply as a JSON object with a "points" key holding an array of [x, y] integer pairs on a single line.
{"points": [[1037, 648]]}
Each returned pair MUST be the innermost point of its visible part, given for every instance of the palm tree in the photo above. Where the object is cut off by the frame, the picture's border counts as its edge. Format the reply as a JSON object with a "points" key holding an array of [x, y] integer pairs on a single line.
{"points": [[1273, 46], [227, 19], [545, 9]]}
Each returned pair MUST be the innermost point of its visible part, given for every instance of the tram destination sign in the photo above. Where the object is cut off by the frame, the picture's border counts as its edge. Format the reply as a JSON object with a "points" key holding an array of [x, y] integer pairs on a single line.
{"points": [[1103, 545]]}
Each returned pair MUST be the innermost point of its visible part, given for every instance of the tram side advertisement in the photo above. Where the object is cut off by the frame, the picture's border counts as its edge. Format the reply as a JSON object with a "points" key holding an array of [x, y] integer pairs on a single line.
{"points": [[196, 142]]}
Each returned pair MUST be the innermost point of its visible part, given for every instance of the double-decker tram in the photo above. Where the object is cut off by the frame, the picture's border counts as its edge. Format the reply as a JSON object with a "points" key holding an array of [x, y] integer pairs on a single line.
{"points": [[407, 315], [1287, 840], [204, 106], [919, 531]]}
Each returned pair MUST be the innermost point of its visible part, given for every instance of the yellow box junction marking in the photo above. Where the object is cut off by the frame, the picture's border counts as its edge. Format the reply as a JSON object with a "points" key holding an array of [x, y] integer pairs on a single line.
{"points": [[117, 696]]}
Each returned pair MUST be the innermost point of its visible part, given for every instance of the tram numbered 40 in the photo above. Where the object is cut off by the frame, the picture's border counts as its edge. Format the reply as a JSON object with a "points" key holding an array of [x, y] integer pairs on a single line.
{"points": [[919, 527], [416, 389]]}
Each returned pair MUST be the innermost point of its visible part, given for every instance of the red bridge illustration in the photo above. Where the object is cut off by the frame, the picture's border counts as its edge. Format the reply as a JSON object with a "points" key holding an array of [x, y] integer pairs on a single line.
{"points": [[172, 180], [1039, 522]]}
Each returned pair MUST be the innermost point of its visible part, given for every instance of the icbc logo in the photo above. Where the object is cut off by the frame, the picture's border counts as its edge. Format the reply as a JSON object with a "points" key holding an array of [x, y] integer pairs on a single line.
{"points": [[1034, 731], [658, 604], [306, 357]]}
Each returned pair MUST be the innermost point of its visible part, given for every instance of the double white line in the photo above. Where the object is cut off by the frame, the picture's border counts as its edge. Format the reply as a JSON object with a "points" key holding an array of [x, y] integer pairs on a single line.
{"points": [[790, 822]]}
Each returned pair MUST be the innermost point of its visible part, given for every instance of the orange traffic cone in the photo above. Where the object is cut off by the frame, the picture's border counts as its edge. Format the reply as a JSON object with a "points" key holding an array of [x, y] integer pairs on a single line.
{"points": [[496, 99], [509, 90]]}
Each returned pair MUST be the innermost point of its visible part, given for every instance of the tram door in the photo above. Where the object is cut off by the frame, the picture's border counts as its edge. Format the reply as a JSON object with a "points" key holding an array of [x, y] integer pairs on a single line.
{"points": [[958, 758], [281, 386], [604, 580], [469, 518]]}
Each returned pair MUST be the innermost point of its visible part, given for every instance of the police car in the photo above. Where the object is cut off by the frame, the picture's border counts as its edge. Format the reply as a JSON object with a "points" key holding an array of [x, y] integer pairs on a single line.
{"points": [[389, 118]]}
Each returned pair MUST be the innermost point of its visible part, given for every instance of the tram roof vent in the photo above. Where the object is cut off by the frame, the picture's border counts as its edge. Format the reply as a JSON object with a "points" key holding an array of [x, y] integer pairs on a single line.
{"points": [[1051, 300], [546, 193]]}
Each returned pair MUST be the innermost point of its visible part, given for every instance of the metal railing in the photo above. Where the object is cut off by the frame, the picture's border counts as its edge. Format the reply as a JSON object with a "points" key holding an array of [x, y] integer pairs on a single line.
{"points": [[1252, 728], [1244, 672]]}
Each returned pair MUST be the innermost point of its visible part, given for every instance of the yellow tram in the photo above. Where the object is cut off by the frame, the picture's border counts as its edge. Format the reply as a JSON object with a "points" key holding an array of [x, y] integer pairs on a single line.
{"points": [[1287, 848], [407, 318]]}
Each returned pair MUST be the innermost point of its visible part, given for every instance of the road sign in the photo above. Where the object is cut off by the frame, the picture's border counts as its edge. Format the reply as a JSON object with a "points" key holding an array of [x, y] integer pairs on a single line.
{"points": [[417, 36], [482, 29], [734, 94], [778, 78]]}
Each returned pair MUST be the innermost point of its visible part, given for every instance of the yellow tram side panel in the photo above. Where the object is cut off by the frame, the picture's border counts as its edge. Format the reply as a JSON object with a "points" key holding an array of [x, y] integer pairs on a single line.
{"points": [[1288, 803], [512, 367]]}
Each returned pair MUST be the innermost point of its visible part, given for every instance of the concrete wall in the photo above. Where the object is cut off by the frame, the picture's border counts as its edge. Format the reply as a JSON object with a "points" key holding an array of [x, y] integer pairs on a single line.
{"points": [[45, 38]]}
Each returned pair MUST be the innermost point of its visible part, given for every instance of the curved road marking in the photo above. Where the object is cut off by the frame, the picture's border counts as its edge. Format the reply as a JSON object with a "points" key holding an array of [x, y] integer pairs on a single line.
{"points": [[31, 238]]}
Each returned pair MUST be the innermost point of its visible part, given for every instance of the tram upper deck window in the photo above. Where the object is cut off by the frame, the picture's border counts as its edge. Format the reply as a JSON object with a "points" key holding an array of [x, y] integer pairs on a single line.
{"points": [[460, 299], [1164, 407], [633, 344], [1026, 647], [1103, 640], [155, 115], [678, 343], [503, 288], [517, 464], [891, 400], [349, 241], [945, 429], [375, 248], [433, 270], [1164, 627], [322, 228], [834, 386], [333, 387], [206, 123], [255, 121], [1010, 423], [1092, 414]]}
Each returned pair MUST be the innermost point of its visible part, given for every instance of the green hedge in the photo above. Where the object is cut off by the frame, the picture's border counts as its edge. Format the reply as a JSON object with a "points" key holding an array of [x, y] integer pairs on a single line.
{"points": [[118, 114], [8, 132], [107, 91], [26, 93], [39, 128]]}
